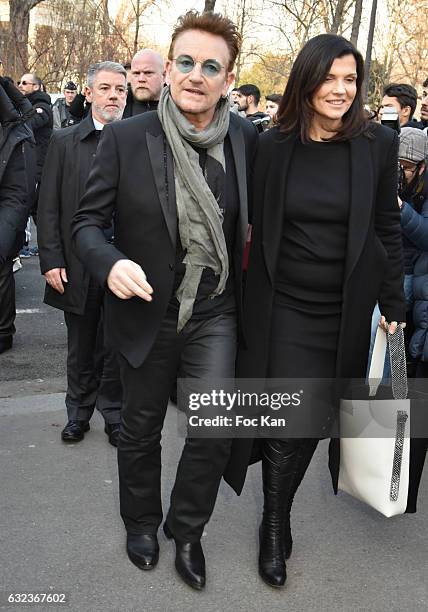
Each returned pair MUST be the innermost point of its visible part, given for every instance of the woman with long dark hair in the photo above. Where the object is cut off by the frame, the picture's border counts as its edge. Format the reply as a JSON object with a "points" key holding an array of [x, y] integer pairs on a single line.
{"points": [[326, 246]]}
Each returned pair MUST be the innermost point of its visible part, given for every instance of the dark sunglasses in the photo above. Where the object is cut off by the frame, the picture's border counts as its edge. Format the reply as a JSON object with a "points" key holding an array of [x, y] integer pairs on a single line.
{"points": [[414, 168], [209, 67], [25, 83]]}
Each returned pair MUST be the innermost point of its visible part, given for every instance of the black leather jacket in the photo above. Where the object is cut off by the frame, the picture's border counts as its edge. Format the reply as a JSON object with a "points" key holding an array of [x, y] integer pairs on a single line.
{"points": [[17, 180], [17, 170], [41, 123]]}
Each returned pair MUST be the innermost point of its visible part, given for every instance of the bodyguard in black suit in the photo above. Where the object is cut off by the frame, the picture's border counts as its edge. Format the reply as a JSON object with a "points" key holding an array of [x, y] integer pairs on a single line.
{"points": [[154, 172], [92, 371]]}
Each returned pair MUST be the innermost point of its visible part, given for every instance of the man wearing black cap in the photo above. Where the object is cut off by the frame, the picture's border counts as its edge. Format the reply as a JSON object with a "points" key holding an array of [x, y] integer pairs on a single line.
{"points": [[61, 108]]}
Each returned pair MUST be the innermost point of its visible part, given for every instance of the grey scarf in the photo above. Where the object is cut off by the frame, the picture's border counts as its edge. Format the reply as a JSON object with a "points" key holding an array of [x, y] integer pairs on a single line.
{"points": [[199, 216]]}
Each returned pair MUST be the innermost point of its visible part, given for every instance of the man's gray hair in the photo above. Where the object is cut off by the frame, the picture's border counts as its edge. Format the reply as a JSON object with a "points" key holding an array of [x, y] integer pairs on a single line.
{"points": [[107, 67], [36, 80]]}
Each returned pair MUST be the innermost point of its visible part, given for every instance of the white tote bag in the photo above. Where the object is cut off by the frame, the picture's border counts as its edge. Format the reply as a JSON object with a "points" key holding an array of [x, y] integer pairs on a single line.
{"points": [[375, 434]]}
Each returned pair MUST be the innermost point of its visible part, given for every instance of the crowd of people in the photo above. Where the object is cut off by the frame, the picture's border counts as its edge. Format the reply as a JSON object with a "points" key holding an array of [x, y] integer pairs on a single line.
{"points": [[144, 187]]}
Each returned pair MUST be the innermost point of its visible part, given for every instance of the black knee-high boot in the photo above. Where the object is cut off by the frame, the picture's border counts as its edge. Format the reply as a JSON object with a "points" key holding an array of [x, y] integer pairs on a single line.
{"points": [[303, 459], [279, 458]]}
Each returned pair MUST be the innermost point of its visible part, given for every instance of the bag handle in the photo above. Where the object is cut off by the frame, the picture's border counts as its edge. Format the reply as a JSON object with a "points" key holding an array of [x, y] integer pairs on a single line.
{"points": [[397, 359], [394, 343]]}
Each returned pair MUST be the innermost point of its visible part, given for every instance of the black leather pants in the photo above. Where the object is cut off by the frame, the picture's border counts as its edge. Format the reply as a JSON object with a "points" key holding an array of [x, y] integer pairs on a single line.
{"points": [[204, 348]]}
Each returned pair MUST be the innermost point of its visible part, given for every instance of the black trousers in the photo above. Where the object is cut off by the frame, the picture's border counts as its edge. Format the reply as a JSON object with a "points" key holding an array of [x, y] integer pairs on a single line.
{"points": [[7, 299], [205, 348], [92, 369]]}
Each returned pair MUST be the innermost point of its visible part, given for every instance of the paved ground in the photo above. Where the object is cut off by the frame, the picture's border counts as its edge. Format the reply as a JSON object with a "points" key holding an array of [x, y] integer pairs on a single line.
{"points": [[60, 529], [37, 361]]}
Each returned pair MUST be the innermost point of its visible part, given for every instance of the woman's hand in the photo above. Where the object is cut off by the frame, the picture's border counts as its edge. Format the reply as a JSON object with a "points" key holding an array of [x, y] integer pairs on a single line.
{"points": [[390, 327]]}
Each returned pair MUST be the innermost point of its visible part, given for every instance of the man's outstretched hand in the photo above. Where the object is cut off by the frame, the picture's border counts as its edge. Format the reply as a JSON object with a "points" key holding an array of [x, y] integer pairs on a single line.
{"points": [[127, 279]]}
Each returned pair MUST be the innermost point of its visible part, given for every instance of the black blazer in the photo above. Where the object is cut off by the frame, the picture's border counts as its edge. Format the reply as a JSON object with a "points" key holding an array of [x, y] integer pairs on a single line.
{"points": [[132, 178], [68, 161], [374, 263]]}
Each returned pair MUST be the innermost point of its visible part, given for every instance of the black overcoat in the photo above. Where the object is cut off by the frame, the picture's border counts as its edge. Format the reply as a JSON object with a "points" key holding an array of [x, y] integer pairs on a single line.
{"points": [[68, 161], [374, 261], [17, 181], [132, 178]]}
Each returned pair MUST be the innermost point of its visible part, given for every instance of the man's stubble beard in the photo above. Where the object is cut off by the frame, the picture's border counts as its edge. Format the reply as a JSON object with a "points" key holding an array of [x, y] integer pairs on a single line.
{"points": [[109, 117], [144, 95], [193, 112]]}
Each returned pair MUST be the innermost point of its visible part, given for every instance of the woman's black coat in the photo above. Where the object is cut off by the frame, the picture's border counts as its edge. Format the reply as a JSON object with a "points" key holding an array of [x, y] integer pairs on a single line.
{"points": [[374, 262]]}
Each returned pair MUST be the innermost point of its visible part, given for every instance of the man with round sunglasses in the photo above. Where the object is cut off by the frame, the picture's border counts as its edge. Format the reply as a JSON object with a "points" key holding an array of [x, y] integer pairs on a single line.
{"points": [[176, 183]]}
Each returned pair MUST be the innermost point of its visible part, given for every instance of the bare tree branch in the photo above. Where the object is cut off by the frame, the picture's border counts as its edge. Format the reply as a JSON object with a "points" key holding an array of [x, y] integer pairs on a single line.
{"points": [[356, 21], [209, 6], [338, 16]]}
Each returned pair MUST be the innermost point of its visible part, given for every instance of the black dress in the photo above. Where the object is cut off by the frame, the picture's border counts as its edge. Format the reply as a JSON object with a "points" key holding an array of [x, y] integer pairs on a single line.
{"points": [[309, 276]]}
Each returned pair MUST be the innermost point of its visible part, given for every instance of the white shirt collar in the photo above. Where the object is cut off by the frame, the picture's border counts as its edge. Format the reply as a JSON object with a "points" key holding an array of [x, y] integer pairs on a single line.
{"points": [[97, 124]]}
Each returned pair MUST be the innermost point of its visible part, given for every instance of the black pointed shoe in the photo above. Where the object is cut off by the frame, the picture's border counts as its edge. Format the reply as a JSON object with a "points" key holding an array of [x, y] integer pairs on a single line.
{"points": [[189, 561], [272, 568], [112, 430], [143, 549], [74, 431]]}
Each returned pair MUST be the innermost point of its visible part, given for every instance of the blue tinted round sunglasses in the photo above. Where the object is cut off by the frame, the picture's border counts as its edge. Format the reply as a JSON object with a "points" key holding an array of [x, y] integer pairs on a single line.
{"points": [[209, 67]]}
